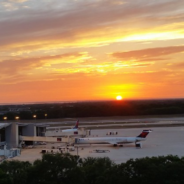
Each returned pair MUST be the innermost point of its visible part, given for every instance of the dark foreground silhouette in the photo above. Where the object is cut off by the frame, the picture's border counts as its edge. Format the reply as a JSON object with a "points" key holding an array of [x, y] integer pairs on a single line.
{"points": [[68, 169]]}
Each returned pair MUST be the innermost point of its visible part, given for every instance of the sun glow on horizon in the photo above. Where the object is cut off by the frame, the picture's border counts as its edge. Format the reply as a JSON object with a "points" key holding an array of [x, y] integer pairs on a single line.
{"points": [[119, 97]]}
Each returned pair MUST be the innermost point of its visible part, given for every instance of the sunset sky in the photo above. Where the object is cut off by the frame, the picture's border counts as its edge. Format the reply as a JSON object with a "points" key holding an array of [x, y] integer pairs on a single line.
{"points": [[77, 50]]}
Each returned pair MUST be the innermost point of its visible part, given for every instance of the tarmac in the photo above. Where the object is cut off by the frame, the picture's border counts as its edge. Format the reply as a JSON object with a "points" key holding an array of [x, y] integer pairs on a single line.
{"points": [[161, 141]]}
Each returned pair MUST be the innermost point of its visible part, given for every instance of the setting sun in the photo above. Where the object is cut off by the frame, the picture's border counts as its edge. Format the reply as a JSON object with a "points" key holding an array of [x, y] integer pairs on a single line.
{"points": [[119, 97]]}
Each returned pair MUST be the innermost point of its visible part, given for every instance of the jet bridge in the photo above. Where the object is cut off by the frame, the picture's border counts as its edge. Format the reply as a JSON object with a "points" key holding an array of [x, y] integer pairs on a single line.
{"points": [[45, 139]]}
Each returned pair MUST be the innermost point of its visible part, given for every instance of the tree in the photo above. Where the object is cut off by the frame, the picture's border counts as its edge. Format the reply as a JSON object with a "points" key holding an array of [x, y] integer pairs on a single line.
{"points": [[53, 169], [96, 169], [4, 178], [16, 170]]}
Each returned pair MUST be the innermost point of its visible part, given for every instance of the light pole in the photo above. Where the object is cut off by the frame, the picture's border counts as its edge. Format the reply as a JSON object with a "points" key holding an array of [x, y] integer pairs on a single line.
{"points": [[5, 118], [34, 116], [45, 116], [17, 117]]}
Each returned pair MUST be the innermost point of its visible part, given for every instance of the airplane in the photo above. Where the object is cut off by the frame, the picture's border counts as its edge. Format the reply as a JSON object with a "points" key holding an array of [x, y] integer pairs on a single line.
{"points": [[115, 141], [73, 130], [52, 132]]}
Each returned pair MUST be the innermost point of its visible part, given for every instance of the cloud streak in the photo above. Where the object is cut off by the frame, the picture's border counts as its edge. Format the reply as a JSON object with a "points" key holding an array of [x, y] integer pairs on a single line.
{"points": [[149, 54], [17, 1], [25, 64], [92, 18]]}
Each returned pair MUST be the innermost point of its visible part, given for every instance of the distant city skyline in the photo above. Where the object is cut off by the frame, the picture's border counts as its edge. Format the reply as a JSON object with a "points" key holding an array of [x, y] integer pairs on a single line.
{"points": [[85, 50]]}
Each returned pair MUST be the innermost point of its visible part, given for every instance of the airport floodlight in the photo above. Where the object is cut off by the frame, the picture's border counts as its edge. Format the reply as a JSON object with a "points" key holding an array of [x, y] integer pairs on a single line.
{"points": [[5, 118], [17, 117]]}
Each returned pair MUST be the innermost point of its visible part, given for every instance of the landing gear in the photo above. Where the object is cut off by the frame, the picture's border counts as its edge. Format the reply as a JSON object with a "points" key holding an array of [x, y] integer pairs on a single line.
{"points": [[120, 145], [138, 145]]}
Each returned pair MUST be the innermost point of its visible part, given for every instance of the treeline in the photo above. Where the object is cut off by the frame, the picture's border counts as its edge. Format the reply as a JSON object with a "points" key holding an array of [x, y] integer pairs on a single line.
{"points": [[97, 109], [68, 169]]}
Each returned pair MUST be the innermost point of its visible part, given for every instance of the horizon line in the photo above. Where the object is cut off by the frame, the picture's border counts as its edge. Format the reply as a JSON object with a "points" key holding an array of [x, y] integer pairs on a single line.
{"points": [[80, 101]]}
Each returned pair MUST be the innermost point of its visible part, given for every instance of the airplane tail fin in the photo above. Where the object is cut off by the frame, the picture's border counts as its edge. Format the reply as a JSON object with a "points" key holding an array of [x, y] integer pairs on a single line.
{"points": [[144, 133], [76, 125]]}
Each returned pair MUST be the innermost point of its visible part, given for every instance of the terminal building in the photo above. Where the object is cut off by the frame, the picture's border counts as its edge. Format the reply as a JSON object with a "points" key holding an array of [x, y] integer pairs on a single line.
{"points": [[14, 135], [10, 132]]}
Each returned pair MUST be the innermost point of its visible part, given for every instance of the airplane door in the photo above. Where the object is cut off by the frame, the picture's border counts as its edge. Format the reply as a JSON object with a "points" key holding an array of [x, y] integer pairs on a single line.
{"points": [[76, 140]]}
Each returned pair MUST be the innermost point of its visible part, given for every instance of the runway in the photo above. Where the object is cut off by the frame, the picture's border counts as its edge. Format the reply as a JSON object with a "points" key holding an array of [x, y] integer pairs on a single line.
{"points": [[120, 122]]}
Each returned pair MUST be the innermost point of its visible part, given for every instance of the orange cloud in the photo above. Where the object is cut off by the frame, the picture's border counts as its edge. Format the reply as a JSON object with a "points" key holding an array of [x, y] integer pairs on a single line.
{"points": [[178, 65], [149, 54], [21, 68]]}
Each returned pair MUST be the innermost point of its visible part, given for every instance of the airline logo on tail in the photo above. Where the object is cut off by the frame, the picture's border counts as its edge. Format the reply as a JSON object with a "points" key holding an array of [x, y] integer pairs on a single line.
{"points": [[144, 133], [76, 125]]}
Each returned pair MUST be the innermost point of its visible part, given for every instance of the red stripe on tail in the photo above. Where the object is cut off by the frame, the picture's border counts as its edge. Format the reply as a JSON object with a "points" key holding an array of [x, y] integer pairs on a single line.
{"points": [[144, 133], [77, 124]]}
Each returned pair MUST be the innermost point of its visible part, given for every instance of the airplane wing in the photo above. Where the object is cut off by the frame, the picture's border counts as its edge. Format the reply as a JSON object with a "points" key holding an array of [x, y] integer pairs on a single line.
{"points": [[112, 142], [115, 142]]}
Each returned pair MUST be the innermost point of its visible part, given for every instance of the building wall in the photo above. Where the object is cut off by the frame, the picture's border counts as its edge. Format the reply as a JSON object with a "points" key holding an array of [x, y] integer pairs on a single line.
{"points": [[29, 130], [11, 135]]}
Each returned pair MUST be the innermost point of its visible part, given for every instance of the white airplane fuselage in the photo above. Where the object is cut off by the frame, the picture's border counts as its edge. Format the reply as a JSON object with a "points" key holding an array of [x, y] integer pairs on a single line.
{"points": [[58, 132], [108, 140], [70, 130]]}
